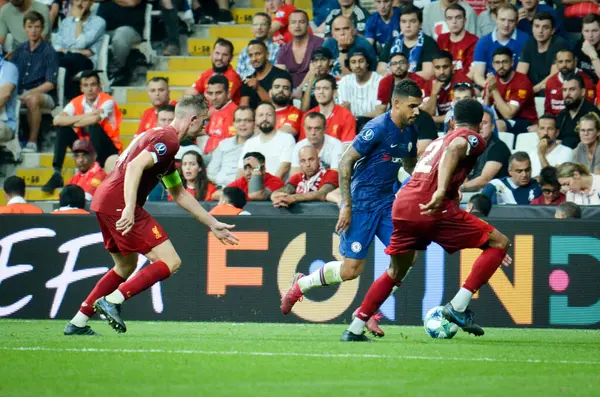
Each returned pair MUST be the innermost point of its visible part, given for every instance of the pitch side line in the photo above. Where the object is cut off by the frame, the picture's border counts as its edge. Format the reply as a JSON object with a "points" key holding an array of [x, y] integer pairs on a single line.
{"points": [[292, 354]]}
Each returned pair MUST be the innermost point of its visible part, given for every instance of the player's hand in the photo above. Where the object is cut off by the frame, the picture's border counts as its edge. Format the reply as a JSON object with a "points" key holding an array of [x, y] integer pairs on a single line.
{"points": [[589, 50], [125, 224], [221, 231], [251, 82], [434, 204], [507, 261], [436, 86], [491, 83], [344, 219], [522, 14], [543, 146]]}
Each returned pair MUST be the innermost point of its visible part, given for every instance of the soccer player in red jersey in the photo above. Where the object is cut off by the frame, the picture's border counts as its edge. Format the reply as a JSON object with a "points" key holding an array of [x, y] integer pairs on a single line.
{"points": [[426, 210], [459, 42], [511, 94], [128, 230]]}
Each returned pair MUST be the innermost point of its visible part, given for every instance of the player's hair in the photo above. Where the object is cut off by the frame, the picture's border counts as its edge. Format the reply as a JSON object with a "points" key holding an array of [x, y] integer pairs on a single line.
{"points": [[506, 6], [299, 11], [457, 7], [316, 115], [397, 54], [481, 203], [72, 196], [569, 210], [287, 77], [357, 52], [157, 79], [590, 18], [219, 79], [468, 112], [86, 74], [503, 51], [352, 24], [562, 50], [549, 176], [166, 108], [518, 156], [544, 16], [264, 15], [201, 182], [257, 155], [33, 17], [406, 88], [266, 103], [258, 43], [411, 9], [443, 55], [224, 43], [190, 104], [242, 108], [568, 169], [591, 116], [15, 186], [329, 78], [574, 76], [235, 196], [547, 116]]}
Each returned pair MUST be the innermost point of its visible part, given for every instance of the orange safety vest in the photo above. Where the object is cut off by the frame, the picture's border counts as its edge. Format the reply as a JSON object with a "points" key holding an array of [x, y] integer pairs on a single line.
{"points": [[70, 211], [225, 209], [114, 133], [20, 209]]}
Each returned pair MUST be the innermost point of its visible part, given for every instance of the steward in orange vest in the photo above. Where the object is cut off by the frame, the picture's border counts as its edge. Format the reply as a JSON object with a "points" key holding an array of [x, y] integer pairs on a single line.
{"points": [[233, 200], [14, 190], [112, 128]]}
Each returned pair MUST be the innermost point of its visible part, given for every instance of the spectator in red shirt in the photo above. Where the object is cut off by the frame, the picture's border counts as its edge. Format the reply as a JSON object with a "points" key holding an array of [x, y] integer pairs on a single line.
{"points": [[256, 182], [221, 64], [89, 173], [551, 194], [159, 94], [288, 116], [194, 178], [313, 183], [511, 94], [279, 27], [565, 64], [220, 125], [459, 42], [398, 72], [341, 124], [439, 92]]}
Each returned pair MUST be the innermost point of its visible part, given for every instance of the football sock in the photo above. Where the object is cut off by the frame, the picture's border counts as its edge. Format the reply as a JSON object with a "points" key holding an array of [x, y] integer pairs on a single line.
{"points": [[144, 279], [484, 267], [327, 275], [379, 291], [80, 319], [357, 326], [107, 284], [461, 300]]}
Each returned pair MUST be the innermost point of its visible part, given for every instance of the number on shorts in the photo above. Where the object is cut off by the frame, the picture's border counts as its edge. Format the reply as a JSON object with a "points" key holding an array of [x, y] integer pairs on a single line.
{"points": [[424, 165], [125, 153]]}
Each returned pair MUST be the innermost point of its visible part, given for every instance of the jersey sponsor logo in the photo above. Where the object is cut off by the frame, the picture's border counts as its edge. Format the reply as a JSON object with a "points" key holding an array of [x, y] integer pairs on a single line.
{"points": [[160, 148], [356, 247], [394, 145], [387, 157], [96, 182], [473, 141], [367, 135]]}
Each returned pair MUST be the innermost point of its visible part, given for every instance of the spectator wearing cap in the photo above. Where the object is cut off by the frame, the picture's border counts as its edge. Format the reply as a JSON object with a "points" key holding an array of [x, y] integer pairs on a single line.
{"points": [[398, 67], [301, 47], [38, 75], [321, 63], [549, 152], [518, 187], [413, 43], [587, 151], [434, 18], [261, 24], [71, 201], [312, 183], [343, 39], [159, 95], [439, 92], [232, 202], [384, 25], [288, 116], [551, 194], [568, 210], [9, 80], [256, 182], [479, 205], [14, 191], [11, 20], [220, 124], [539, 52], [89, 173], [349, 9], [458, 41], [357, 91], [583, 188]]}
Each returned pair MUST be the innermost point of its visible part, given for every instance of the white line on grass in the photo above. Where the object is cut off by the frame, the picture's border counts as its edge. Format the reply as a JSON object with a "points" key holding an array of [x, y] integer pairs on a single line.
{"points": [[292, 354]]}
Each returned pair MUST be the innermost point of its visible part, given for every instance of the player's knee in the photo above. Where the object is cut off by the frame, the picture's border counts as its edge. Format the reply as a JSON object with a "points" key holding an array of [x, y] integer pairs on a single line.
{"points": [[351, 269], [174, 263]]}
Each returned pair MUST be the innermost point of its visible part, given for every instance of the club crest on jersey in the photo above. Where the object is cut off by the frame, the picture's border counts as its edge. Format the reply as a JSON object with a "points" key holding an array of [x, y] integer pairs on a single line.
{"points": [[409, 146], [368, 135], [356, 247], [160, 148], [473, 141]]}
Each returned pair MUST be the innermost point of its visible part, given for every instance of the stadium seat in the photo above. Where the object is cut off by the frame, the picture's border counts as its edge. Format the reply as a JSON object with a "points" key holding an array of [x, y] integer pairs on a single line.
{"points": [[102, 65], [145, 47], [507, 138], [527, 141], [539, 105]]}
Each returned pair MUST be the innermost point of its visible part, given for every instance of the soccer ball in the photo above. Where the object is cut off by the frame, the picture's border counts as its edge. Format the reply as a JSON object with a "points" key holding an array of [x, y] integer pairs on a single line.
{"points": [[437, 326]]}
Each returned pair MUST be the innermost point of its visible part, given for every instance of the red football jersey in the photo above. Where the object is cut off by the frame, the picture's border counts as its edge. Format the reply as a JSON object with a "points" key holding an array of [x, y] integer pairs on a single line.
{"points": [[462, 51], [554, 102], [220, 126], [446, 94], [270, 182], [150, 118], [235, 83], [341, 124], [386, 86], [518, 91], [163, 144], [330, 176], [289, 115], [283, 36], [424, 180], [89, 181]]}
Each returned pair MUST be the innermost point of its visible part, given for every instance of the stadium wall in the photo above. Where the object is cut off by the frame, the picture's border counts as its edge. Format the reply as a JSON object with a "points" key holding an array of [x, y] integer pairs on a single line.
{"points": [[48, 264]]}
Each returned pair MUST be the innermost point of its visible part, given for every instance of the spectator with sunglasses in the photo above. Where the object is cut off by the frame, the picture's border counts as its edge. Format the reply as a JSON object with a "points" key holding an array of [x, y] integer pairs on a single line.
{"points": [[551, 194]]}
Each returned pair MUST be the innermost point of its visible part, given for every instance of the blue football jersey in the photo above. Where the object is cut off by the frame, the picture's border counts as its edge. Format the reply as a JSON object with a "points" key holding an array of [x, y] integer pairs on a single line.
{"points": [[382, 146]]}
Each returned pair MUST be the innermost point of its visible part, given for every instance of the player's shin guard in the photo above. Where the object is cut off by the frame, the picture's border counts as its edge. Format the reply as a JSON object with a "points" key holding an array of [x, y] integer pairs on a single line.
{"points": [[144, 279], [329, 274], [107, 284], [484, 268], [379, 291]]}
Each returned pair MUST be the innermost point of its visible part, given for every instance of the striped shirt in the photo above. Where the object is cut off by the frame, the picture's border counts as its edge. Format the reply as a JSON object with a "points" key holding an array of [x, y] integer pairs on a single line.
{"points": [[37, 67], [362, 98], [245, 69]]}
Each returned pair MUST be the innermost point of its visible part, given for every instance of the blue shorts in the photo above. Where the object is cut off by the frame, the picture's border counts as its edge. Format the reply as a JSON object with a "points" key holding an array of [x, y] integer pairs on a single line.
{"points": [[364, 226]]}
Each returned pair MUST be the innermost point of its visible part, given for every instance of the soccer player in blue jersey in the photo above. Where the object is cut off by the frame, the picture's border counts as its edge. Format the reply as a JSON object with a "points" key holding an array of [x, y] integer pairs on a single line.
{"points": [[368, 172]]}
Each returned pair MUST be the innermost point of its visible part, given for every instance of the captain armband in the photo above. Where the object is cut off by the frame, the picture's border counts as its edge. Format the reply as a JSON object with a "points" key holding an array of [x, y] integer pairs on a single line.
{"points": [[172, 180]]}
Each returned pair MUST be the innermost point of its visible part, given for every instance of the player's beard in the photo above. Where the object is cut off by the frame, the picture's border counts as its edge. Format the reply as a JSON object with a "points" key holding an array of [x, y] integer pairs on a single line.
{"points": [[266, 127], [573, 104], [260, 68], [280, 100], [219, 69]]}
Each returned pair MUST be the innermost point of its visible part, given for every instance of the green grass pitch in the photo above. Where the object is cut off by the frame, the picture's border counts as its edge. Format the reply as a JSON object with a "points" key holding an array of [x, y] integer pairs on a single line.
{"points": [[225, 359]]}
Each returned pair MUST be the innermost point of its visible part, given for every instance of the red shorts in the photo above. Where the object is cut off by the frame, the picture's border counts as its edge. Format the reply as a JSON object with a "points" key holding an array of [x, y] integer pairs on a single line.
{"points": [[145, 234], [453, 233]]}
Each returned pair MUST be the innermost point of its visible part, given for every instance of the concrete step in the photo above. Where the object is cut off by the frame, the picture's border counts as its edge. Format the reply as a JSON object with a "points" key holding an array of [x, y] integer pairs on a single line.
{"points": [[183, 79], [39, 176], [35, 194], [139, 94], [43, 160], [133, 110], [203, 47], [225, 31], [188, 63], [129, 127]]}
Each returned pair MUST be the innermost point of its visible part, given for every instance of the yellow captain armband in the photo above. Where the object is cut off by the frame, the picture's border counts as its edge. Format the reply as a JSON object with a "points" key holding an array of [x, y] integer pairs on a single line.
{"points": [[172, 180]]}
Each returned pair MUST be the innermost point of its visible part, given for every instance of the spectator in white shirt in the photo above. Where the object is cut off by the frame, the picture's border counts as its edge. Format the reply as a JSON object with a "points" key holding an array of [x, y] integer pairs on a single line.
{"points": [[276, 146], [583, 187], [358, 91], [328, 148], [549, 151]]}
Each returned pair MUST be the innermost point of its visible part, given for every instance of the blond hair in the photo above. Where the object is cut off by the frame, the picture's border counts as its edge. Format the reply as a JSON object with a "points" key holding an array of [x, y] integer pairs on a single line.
{"points": [[567, 170], [591, 116]]}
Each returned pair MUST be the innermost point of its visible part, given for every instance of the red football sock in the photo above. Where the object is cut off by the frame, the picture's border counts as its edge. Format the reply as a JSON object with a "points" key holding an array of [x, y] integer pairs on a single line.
{"points": [[484, 268], [144, 279], [107, 284], [379, 291]]}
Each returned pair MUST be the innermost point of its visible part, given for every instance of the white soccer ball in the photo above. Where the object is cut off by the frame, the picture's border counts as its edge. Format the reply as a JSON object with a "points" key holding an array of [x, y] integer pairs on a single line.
{"points": [[437, 326]]}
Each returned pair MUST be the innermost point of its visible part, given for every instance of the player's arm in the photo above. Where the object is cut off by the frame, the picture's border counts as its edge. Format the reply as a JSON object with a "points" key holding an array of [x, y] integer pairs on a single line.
{"points": [[64, 120], [319, 195], [490, 169], [507, 110], [349, 158]]}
